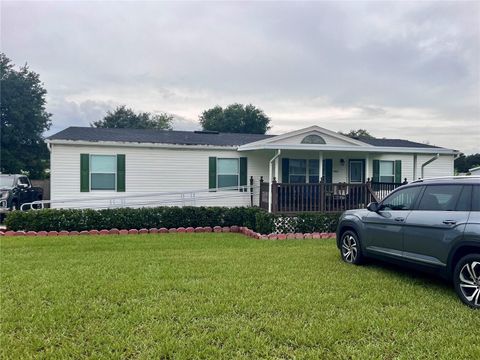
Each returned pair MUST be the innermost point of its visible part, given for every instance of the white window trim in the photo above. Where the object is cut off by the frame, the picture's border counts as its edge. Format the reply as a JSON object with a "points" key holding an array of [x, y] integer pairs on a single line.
{"points": [[380, 175], [237, 174], [307, 171], [90, 172]]}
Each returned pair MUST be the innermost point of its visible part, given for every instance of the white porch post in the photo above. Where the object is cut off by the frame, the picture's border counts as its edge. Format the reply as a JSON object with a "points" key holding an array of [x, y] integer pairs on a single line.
{"points": [[277, 171], [270, 179], [320, 165], [367, 167]]}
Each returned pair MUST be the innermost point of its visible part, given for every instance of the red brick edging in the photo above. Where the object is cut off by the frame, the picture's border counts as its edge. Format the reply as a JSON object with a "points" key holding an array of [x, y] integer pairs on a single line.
{"points": [[217, 229]]}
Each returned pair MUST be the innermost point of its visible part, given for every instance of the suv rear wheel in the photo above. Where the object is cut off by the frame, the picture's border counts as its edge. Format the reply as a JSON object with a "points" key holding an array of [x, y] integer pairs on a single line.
{"points": [[466, 279], [350, 248]]}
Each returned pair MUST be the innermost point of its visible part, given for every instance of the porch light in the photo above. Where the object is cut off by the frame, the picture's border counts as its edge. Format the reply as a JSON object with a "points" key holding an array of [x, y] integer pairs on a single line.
{"points": [[342, 162]]}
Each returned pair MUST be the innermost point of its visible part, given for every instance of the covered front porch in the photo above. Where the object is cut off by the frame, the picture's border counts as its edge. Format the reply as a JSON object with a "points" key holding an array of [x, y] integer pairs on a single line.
{"points": [[317, 170], [312, 181]]}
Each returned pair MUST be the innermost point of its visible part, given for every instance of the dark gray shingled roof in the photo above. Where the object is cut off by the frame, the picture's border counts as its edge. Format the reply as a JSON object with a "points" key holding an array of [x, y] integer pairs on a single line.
{"points": [[394, 143], [156, 136], [191, 137]]}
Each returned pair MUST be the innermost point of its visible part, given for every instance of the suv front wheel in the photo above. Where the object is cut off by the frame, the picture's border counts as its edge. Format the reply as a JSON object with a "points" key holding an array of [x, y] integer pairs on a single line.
{"points": [[466, 278], [350, 248]]}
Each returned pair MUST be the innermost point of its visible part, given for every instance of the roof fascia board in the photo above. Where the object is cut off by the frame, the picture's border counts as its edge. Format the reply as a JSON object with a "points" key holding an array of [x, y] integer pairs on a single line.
{"points": [[138, 145], [388, 149]]}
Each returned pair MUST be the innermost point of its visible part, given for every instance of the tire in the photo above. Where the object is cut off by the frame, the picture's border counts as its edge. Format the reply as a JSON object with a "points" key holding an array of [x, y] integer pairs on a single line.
{"points": [[350, 248], [466, 279]]}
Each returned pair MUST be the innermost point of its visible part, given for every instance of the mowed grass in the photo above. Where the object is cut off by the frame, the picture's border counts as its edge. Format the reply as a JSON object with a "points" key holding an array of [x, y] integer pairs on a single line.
{"points": [[187, 296]]}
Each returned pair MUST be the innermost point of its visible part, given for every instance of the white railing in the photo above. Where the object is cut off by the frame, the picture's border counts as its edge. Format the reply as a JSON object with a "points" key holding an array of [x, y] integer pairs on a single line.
{"points": [[198, 197]]}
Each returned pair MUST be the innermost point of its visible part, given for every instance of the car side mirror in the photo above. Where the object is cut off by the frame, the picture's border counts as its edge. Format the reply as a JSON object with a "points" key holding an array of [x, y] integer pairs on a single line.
{"points": [[373, 206]]}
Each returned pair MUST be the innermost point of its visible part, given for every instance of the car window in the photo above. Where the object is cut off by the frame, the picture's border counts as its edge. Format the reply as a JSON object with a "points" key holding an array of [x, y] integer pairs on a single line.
{"points": [[402, 199], [465, 199], [23, 180], [476, 198], [440, 197]]}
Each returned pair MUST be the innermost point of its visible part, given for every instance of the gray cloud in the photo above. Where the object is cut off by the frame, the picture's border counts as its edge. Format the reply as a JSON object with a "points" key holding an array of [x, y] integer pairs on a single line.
{"points": [[399, 69]]}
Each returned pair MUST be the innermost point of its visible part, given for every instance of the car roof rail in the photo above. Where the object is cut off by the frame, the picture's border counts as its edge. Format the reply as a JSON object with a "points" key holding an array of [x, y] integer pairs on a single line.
{"points": [[465, 177]]}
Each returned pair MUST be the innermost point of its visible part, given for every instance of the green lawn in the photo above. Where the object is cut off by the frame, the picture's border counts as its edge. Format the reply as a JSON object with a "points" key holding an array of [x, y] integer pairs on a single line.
{"points": [[220, 296]]}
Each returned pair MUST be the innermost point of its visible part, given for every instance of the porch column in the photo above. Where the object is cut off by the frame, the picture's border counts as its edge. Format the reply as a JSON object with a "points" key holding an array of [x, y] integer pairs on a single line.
{"points": [[320, 166], [277, 170], [367, 167], [270, 178]]}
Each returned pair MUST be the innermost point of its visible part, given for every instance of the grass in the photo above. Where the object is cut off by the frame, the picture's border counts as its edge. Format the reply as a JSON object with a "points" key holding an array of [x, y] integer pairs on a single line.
{"points": [[187, 296]]}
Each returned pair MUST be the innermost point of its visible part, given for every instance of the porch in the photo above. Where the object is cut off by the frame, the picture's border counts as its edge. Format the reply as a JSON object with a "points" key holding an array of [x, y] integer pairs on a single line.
{"points": [[321, 197]]}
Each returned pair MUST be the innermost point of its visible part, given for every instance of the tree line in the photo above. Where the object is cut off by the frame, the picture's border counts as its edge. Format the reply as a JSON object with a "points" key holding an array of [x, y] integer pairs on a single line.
{"points": [[24, 119]]}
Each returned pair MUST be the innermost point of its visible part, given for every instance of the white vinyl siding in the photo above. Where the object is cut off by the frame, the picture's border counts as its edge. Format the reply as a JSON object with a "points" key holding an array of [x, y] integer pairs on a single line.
{"points": [[150, 170]]}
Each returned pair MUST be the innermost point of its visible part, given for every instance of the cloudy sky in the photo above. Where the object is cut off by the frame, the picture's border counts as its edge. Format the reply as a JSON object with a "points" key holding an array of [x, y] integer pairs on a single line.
{"points": [[399, 69]]}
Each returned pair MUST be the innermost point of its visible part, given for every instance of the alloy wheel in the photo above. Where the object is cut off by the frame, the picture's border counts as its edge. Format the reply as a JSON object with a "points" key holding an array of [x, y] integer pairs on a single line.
{"points": [[470, 282], [349, 248]]}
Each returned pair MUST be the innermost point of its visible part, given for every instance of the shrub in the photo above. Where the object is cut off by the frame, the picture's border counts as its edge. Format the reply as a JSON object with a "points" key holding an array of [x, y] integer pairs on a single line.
{"points": [[129, 218]]}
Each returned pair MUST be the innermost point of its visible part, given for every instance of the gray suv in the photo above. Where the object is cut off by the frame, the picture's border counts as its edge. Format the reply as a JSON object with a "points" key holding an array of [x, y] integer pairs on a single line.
{"points": [[433, 224]]}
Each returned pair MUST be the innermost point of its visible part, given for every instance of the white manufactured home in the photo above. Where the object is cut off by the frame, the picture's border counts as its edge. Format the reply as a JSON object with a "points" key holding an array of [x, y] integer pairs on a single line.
{"points": [[292, 172]]}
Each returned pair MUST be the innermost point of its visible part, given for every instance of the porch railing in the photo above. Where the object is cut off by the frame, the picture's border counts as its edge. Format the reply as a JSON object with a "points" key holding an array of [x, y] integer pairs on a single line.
{"points": [[322, 197]]}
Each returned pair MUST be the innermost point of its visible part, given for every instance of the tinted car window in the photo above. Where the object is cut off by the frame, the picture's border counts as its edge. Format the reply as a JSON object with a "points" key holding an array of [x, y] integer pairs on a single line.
{"points": [[440, 197], [465, 199], [476, 198], [401, 200], [23, 180]]}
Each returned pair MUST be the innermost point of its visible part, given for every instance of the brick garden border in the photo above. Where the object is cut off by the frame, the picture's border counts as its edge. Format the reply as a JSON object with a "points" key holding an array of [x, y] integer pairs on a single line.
{"points": [[216, 229]]}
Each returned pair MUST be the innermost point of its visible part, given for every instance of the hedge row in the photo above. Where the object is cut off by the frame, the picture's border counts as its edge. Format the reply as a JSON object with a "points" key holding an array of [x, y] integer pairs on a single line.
{"points": [[130, 218], [167, 217]]}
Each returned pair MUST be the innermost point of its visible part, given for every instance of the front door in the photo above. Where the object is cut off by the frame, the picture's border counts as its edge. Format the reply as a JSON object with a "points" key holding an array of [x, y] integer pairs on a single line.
{"points": [[384, 229], [356, 171]]}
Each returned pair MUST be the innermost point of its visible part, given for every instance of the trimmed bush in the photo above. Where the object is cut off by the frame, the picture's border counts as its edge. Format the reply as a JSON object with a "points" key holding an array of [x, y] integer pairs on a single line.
{"points": [[130, 218]]}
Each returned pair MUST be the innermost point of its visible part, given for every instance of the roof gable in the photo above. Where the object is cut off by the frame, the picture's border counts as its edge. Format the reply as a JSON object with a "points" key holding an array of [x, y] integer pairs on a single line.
{"points": [[298, 137]]}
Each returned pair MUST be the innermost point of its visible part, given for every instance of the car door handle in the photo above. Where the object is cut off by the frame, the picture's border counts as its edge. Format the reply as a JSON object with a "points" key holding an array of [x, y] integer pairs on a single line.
{"points": [[449, 222], [400, 219]]}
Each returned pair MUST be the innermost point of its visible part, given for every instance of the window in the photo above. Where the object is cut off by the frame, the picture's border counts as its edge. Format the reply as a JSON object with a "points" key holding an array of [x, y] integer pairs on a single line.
{"points": [[103, 169], [401, 199], [387, 171], [356, 171], [297, 171], [313, 139], [465, 199], [228, 172], [476, 198], [313, 171], [440, 197], [23, 180]]}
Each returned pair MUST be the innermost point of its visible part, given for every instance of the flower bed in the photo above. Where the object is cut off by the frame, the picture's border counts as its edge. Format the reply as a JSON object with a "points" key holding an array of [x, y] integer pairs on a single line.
{"points": [[217, 229]]}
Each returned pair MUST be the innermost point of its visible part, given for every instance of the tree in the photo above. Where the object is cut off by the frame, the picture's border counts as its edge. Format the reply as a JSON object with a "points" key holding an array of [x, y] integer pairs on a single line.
{"points": [[358, 133], [235, 118], [23, 120], [122, 118], [464, 163]]}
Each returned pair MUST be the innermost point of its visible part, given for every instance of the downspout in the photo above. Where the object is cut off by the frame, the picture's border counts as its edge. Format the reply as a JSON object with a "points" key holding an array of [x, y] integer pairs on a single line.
{"points": [[270, 175], [428, 162]]}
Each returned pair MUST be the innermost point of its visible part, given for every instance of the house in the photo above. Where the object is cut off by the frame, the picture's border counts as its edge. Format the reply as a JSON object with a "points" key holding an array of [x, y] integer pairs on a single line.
{"points": [[310, 169]]}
